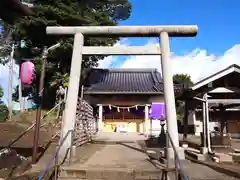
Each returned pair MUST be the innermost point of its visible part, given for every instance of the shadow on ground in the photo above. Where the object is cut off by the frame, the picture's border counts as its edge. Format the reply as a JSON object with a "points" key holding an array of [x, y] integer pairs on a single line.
{"points": [[15, 161]]}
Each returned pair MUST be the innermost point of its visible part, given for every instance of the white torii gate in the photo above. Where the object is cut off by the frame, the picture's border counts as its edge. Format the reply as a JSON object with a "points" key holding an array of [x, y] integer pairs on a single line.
{"points": [[163, 32]]}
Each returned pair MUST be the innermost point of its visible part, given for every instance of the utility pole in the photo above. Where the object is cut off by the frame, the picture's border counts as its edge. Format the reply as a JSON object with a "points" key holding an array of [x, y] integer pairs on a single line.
{"points": [[10, 78], [40, 95], [21, 100], [39, 101]]}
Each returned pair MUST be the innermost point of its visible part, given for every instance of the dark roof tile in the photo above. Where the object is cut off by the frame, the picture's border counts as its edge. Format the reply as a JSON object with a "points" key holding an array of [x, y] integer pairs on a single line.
{"points": [[124, 81]]}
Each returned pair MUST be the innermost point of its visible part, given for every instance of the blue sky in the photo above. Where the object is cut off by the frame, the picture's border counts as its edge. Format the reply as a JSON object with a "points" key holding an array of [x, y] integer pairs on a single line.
{"points": [[218, 21], [216, 44]]}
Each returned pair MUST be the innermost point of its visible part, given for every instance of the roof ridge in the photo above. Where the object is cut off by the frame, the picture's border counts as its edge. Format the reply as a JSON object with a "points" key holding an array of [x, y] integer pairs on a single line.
{"points": [[126, 69], [216, 73], [125, 81]]}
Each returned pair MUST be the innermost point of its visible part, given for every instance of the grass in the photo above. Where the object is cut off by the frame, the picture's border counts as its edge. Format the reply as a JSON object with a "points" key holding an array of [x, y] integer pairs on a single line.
{"points": [[3, 113], [27, 117]]}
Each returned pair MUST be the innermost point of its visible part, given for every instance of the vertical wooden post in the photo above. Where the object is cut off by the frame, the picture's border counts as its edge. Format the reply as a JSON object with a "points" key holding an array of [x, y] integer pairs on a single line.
{"points": [[185, 121], [204, 134], [39, 109], [146, 120], [100, 117]]}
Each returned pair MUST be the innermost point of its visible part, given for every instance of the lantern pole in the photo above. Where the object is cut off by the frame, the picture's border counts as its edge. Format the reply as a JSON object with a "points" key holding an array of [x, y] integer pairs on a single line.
{"points": [[40, 94]]}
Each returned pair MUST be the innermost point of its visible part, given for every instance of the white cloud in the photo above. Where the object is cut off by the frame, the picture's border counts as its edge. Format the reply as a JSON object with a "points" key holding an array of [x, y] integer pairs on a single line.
{"points": [[198, 63], [109, 61]]}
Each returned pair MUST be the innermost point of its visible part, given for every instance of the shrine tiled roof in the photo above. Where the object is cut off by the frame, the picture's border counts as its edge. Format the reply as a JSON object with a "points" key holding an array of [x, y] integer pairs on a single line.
{"points": [[124, 81]]}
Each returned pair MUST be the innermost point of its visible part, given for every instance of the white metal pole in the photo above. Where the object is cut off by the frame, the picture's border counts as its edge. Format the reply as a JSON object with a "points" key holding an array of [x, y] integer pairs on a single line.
{"points": [[10, 76]]}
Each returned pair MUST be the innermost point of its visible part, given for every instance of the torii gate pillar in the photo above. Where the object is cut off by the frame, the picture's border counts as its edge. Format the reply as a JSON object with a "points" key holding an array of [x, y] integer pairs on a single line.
{"points": [[123, 31]]}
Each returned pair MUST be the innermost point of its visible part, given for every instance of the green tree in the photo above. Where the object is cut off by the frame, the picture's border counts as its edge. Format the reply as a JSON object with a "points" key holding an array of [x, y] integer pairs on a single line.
{"points": [[5, 44], [15, 95], [1, 92], [60, 79], [3, 108], [67, 13], [181, 82], [3, 54], [32, 30]]}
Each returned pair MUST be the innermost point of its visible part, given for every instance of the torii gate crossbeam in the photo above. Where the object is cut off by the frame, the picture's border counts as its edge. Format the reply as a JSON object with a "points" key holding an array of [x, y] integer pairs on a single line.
{"points": [[163, 32]]}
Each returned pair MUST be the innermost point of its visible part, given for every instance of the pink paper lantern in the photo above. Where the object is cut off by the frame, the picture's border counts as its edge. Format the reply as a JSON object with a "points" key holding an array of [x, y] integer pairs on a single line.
{"points": [[27, 73]]}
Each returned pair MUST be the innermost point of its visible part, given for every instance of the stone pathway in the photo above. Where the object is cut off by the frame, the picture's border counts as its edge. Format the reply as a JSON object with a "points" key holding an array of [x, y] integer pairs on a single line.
{"points": [[200, 172], [124, 152], [126, 155], [118, 137]]}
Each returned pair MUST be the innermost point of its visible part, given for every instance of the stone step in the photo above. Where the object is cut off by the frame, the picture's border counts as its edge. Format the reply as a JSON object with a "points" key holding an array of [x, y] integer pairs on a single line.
{"points": [[135, 178], [235, 157], [156, 177], [223, 157], [195, 155], [109, 173], [236, 150]]}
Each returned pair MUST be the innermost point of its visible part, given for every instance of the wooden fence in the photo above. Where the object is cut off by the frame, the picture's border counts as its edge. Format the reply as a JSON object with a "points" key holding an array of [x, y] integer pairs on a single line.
{"points": [[85, 126]]}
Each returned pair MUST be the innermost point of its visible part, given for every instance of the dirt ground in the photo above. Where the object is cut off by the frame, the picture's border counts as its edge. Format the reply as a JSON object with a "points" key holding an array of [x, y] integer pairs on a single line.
{"points": [[10, 130]]}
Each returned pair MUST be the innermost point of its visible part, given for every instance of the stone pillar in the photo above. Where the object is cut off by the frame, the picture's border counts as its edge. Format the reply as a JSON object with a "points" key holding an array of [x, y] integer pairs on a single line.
{"points": [[207, 124], [69, 116], [146, 119], [204, 128], [100, 117], [169, 99]]}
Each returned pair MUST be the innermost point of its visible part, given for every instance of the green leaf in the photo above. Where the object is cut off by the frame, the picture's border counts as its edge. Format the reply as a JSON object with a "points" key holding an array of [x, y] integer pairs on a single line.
{"points": [[32, 30], [1, 92]]}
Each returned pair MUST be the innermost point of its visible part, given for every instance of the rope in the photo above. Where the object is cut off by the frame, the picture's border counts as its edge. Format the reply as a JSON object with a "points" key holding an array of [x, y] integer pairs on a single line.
{"points": [[127, 107]]}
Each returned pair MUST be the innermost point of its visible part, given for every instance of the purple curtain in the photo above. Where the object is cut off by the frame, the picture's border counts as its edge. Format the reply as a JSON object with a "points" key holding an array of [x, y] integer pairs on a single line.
{"points": [[157, 110]]}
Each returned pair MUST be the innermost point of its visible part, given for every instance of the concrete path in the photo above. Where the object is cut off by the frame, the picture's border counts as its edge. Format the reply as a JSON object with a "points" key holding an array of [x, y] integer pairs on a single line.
{"points": [[118, 137], [200, 172], [126, 156]]}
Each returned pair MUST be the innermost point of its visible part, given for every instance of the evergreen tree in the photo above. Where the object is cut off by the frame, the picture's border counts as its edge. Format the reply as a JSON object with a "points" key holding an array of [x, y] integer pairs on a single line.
{"points": [[1, 92], [32, 31], [181, 82]]}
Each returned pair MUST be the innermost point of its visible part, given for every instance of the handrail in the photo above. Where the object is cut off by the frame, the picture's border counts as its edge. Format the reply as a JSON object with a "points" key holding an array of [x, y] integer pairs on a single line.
{"points": [[55, 154], [33, 125], [178, 163]]}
